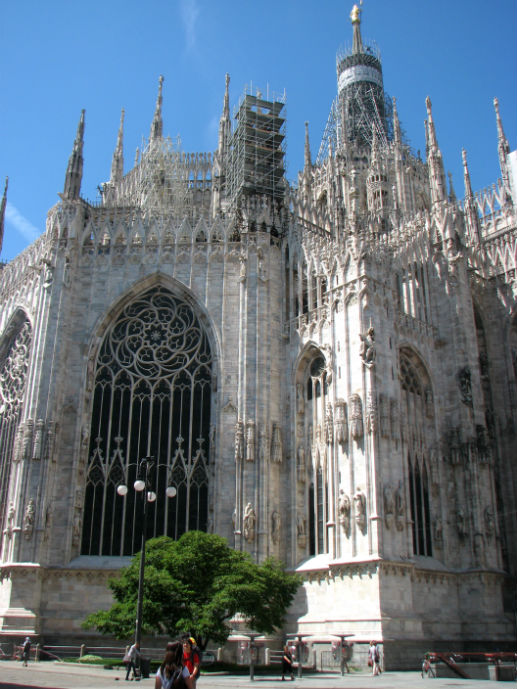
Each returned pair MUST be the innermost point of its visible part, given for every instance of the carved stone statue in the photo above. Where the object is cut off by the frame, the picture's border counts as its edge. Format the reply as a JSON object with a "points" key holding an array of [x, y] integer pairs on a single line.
{"points": [[300, 399], [389, 506], [489, 522], [301, 531], [249, 523], [461, 525], [367, 349], [399, 507], [356, 416], [340, 427], [360, 509], [329, 424], [277, 449], [250, 441], [239, 441], [28, 519], [344, 509]]}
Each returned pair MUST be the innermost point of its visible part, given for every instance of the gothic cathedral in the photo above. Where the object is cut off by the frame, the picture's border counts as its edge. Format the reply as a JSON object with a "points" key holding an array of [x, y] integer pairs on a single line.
{"points": [[324, 372]]}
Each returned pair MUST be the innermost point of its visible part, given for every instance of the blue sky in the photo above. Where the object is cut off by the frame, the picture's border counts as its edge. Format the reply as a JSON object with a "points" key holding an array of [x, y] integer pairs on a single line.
{"points": [[61, 56]]}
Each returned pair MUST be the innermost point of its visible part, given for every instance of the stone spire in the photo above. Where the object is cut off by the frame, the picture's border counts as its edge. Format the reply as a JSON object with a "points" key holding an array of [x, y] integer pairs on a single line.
{"points": [[503, 147], [397, 135], [307, 150], [452, 193], [2, 213], [74, 172], [117, 163], [355, 18], [157, 123], [434, 160], [471, 215], [225, 122], [466, 175]]}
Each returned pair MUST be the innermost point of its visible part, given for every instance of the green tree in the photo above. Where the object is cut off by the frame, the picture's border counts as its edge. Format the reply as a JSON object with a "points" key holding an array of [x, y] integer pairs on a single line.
{"points": [[197, 584]]}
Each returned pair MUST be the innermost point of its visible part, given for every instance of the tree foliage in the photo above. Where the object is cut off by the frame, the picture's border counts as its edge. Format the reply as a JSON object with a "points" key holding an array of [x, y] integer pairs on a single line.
{"points": [[197, 584]]}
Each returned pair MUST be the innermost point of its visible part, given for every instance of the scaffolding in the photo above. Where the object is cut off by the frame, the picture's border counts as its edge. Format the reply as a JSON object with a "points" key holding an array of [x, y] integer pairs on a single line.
{"points": [[257, 149]]}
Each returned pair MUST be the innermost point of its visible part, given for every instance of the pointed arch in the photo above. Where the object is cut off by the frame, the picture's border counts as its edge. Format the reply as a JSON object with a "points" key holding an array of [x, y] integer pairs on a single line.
{"points": [[15, 350], [152, 379]]}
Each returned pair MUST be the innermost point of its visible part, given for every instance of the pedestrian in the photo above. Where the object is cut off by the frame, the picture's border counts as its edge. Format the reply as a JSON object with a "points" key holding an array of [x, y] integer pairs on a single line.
{"points": [[345, 656], [374, 658], [171, 674], [132, 660], [191, 659], [427, 668], [26, 651], [287, 663]]}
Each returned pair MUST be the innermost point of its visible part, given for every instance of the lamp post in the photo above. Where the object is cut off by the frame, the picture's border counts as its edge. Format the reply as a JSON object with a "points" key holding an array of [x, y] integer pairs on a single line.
{"points": [[142, 486]]}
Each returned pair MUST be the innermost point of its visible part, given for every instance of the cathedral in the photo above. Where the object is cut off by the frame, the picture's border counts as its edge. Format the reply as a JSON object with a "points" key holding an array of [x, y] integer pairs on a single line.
{"points": [[324, 372]]}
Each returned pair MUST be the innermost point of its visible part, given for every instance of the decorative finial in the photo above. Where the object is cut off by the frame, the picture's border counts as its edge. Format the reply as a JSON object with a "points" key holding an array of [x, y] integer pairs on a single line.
{"points": [[466, 175], [117, 163], [307, 149], [157, 124], [74, 172], [2, 213], [355, 18]]}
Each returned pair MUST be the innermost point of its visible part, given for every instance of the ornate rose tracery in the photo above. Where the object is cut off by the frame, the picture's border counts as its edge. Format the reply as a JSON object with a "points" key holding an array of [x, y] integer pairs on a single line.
{"points": [[151, 397], [13, 373]]}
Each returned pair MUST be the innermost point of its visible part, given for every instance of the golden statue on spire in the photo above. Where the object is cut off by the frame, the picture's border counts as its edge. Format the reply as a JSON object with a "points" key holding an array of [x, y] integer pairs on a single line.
{"points": [[355, 14]]}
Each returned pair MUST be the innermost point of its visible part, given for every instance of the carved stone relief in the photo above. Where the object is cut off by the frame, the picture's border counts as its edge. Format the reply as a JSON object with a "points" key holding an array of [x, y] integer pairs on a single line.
{"points": [[340, 425], [276, 524], [367, 349], [28, 519], [277, 449], [344, 510]]}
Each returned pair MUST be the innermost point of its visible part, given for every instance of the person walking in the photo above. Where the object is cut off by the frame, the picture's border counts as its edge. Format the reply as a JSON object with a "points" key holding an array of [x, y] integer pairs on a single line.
{"points": [[133, 658], [26, 651], [374, 658], [191, 660], [287, 663]]}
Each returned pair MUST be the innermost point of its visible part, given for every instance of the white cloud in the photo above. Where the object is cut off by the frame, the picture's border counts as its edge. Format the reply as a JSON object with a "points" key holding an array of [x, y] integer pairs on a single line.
{"points": [[21, 224], [189, 15]]}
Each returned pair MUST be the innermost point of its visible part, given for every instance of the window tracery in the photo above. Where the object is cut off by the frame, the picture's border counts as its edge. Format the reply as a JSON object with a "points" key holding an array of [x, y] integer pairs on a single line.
{"points": [[417, 408], [152, 397], [14, 366]]}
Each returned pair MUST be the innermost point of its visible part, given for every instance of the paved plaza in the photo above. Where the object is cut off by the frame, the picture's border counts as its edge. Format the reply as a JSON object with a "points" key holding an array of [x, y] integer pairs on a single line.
{"points": [[67, 676]]}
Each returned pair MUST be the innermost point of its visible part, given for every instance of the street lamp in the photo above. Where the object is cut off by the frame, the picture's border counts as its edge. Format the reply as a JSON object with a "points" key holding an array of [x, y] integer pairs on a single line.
{"points": [[142, 483]]}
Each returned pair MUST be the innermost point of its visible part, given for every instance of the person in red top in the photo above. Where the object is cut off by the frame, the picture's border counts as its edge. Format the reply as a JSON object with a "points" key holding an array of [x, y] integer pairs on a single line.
{"points": [[191, 659]]}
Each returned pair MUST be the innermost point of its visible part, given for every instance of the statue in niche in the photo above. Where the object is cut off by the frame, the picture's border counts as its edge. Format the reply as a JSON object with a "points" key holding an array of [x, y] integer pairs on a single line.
{"points": [[429, 402], [250, 441], [399, 507], [239, 441], [276, 523], [76, 529], [38, 439], [28, 519], [300, 399], [344, 509], [301, 531], [340, 428], [367, 348], [465, 383], [242, 274], [249, 523], [389, 505], [11, 513], [360, 510], [234, 519], [356, 416]]}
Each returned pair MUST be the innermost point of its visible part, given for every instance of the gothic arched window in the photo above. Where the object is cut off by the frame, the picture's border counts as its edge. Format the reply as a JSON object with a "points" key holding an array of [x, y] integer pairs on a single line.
{"points": [[14, 364], [417, 409], [152, 397]]}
